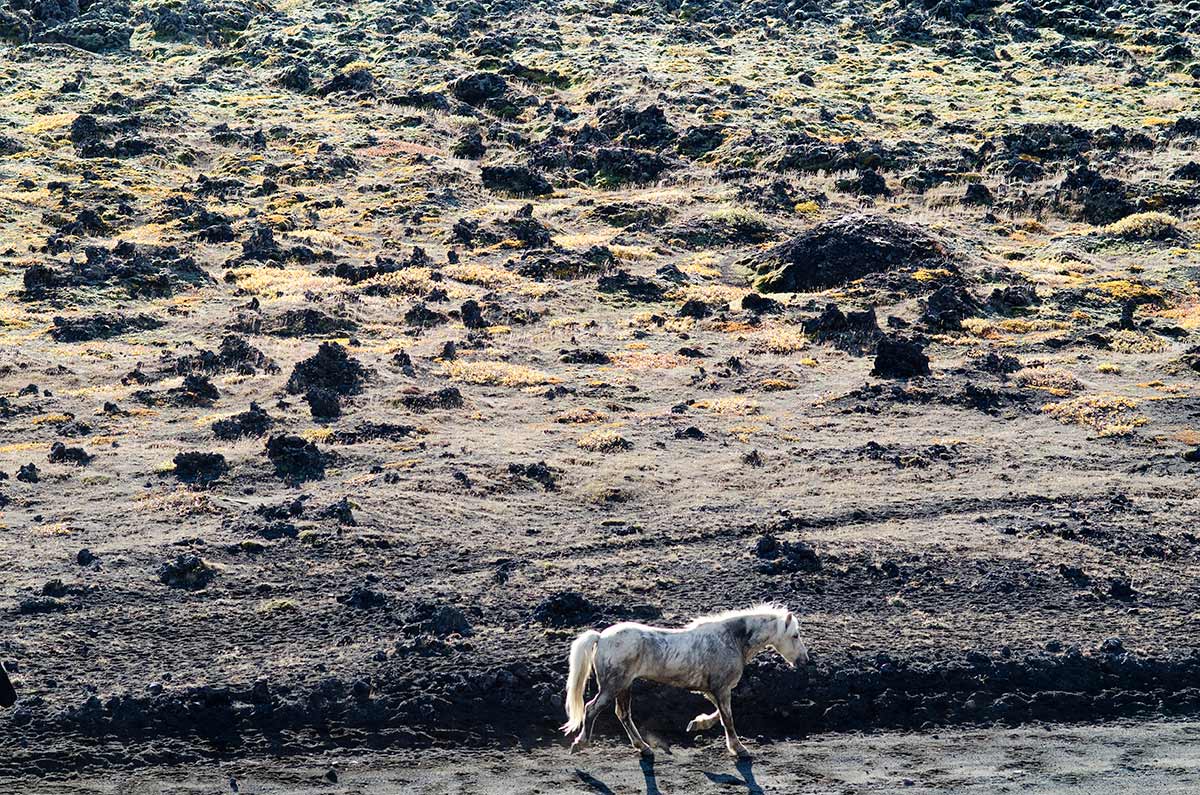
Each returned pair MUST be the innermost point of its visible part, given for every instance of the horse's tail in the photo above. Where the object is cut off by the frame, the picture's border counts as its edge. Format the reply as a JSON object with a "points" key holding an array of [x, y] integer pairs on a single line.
{"points": [[583, 655]]}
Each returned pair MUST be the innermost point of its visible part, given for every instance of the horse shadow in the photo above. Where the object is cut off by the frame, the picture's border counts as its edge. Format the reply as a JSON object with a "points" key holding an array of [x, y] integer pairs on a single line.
{"points": [[743, 766], [746, 768], [599, 786]]}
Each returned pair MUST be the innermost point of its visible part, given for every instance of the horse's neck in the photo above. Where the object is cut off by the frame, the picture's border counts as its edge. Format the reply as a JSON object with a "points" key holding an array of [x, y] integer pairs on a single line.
{"points": [[760, 632]]}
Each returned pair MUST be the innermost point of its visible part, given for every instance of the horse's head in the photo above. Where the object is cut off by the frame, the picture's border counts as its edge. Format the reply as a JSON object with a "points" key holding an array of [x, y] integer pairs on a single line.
{"points": [[788, 643]]}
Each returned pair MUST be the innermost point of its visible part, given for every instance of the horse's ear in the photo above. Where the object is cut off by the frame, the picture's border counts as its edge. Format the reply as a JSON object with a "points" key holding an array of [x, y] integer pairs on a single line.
{"points": [[791, 619]]}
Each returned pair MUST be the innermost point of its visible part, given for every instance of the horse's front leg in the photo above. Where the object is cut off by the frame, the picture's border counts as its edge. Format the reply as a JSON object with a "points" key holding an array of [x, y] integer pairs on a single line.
{"points": [[725, 710]]}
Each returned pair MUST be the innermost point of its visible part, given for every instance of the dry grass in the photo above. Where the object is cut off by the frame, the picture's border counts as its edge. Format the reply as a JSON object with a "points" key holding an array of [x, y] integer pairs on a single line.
{"points": [[1144, 226], [603, 440], [1111, 415], [649, 360], [780, 340], [496, 374], [737, 406], [269, 282], [1048, 379], [412, 281], [483, 275], [580, 415]]}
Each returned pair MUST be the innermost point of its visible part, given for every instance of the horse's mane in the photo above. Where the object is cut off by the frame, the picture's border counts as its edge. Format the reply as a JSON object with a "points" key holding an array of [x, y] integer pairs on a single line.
{"points": [[759, 610]]}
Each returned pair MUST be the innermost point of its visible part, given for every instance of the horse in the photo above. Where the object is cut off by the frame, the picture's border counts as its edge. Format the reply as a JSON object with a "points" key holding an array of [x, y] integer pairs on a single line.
{"points": [[707, 657]]}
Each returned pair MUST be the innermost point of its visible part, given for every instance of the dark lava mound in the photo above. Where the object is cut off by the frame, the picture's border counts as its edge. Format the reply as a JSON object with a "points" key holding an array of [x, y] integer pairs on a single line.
{"points": [[837, 252]]}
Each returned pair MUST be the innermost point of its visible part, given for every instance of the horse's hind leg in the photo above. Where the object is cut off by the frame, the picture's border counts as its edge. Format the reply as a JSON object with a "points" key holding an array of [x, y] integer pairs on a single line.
{"points": [[703, 722], [625, 715], [591, 712], [732, 742]]}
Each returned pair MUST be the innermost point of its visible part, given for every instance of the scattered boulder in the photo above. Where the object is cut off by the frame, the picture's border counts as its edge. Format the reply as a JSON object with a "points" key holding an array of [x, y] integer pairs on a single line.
{"points": [[447, 398], [332, 368], [784, 557], [200, 469], [515, 181], [295, 459], [565, 609], [323, 404], [441, 621], [61, 454], [897, 357], [853, 331], [100, 327], [254, 422], [839, 251], [189, 571]]}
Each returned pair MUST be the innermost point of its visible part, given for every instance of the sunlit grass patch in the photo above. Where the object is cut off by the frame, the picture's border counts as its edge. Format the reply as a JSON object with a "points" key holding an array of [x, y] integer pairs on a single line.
{"points": [[496, 374], [1111, 415]]}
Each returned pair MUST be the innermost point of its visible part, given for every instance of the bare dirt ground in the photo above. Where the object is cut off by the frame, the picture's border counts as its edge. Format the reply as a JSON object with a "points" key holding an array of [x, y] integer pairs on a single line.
{"points": [[1054, 760], [355, 357]]}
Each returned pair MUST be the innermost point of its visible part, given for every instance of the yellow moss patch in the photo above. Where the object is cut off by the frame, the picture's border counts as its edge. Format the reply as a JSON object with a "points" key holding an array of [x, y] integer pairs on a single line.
{"points": [[776, 385], [43, 419], [1111, 415], [930, 274], [1125, 290], [496, 374], [1108, 368], [1128, 341]]}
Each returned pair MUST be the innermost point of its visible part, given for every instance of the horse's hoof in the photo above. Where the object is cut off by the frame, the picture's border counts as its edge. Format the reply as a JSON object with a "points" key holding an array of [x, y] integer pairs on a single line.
{"points": [[739, 752], [694, 727], [647, 752], [577, 746]]}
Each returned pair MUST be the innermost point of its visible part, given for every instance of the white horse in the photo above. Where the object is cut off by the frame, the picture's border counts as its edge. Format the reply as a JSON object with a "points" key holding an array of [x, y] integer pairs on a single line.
{"points": [[707, 656]]}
